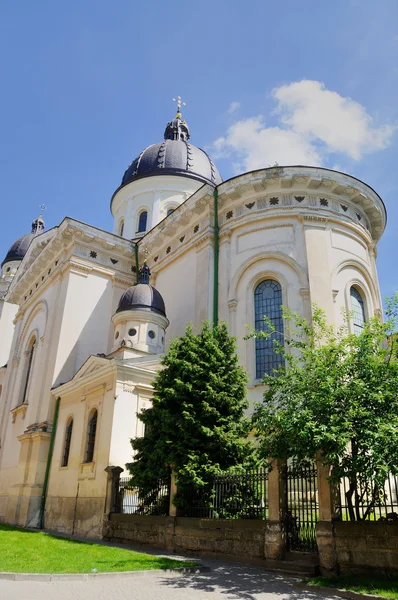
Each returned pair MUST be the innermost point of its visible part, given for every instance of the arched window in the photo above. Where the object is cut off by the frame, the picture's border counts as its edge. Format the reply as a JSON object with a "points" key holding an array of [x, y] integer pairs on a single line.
{"points": [[170, 210], [27, 370], [121, 228], [142, 221], [68, 438], [358, 310], [91, 431], [268, 303]]}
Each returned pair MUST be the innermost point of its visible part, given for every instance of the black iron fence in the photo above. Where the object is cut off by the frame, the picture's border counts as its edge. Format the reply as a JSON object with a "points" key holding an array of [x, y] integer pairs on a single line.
{"points": [[132, 500], [364, 500], [242, 496], [302, 509]]}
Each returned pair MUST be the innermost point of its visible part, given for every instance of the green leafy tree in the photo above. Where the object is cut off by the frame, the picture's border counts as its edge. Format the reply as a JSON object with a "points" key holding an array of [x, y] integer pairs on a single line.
{"points": [[337, 395], [196, 426]]}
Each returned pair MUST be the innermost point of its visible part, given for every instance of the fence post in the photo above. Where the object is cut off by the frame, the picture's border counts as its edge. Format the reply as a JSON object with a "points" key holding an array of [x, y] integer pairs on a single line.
{"points": [[274, 543], [112, 489], [173, 491], [328, 503]]}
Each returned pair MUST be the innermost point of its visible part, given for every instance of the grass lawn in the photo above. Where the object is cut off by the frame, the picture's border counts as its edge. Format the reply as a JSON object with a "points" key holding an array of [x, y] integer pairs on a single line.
{"points": [[388, 588], [24, 551]]}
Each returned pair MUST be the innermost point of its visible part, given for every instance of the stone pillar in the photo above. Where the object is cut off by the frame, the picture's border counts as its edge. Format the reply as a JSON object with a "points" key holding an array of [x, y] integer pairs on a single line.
{"points": [[112, 503], [328, 504], [274, 543], [173, 491]]}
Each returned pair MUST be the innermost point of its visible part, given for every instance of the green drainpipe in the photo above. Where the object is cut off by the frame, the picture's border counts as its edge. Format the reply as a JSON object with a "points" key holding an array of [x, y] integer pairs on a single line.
{"points": [[137, 266], [216, 255], [48, 466]]}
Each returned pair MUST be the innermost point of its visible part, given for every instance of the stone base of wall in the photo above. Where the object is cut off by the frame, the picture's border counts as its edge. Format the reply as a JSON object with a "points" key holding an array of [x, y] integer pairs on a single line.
{"points": [[236, 539], [81, 516], [366, 546]]}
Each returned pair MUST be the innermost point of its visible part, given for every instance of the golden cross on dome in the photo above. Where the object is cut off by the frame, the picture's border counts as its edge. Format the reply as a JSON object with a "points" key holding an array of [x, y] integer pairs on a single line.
{"points": [[179, 104]]}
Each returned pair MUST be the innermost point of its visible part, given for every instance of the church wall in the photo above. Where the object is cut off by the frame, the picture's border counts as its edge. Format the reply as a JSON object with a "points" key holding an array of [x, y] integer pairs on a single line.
{"points": [[76, 493], [7, 316], [155, 195]]}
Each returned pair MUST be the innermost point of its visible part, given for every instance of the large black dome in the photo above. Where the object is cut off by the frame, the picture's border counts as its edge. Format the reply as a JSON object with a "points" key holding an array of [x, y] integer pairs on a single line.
{"points": [[174, 156], [142, 296], [20, 247]]}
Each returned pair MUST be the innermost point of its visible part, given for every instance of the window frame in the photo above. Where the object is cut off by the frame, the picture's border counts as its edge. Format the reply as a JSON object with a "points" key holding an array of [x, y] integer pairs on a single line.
{"points": [[142, 212], [29, 354], [67, 442], [362, 301], [90, 445]]}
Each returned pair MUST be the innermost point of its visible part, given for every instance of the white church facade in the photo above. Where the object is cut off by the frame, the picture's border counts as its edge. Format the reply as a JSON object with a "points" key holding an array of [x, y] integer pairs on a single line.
{"points": [[83, 327]]}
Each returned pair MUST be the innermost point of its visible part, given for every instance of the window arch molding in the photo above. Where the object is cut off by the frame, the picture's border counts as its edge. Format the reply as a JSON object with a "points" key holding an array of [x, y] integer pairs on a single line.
{"points": [[169, 208], [26, 368], [363, 279], [120, 229], [27, 329]]}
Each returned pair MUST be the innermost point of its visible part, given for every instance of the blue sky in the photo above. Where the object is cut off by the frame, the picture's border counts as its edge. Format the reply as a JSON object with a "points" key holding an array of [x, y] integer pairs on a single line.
{"points": [[86, 85]]}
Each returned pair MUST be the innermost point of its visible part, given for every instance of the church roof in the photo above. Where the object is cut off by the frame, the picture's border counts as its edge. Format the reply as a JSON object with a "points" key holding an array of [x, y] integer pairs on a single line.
{"points": [[142, 296], [173, 156], [20, 247]]}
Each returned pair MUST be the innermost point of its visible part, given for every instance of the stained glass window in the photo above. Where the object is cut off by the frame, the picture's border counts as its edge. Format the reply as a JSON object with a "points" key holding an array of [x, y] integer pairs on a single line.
{"points": [[268, 302], [358, 310]]}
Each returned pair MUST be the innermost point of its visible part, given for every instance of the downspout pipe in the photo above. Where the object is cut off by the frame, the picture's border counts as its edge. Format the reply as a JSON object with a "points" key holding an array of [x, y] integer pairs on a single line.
{"points": [[48, 466], [137, 265], [216, 258]]}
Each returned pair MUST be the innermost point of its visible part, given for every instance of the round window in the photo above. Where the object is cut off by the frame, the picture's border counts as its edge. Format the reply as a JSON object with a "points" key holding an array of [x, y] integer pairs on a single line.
{"points": [[151, 334], [116, 335], [132, 332]]}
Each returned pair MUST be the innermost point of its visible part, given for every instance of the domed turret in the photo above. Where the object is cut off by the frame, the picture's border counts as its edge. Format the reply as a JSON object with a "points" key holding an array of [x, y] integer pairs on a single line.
{"points": [[140, 320], [20, 247]]}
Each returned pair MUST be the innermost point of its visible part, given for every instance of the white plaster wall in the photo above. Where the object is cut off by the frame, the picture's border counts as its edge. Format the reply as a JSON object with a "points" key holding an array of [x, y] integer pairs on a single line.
{"points": [[153, 194], [7, 316]]}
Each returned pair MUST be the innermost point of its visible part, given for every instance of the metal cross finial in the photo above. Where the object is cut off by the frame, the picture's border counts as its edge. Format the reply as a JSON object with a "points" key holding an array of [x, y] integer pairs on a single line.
{"points": [[179, 103], [42, 207]]}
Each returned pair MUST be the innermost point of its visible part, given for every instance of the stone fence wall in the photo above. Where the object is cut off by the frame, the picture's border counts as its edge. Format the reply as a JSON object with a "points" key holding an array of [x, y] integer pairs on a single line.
{"points": [[237, 538], [343, 546]]}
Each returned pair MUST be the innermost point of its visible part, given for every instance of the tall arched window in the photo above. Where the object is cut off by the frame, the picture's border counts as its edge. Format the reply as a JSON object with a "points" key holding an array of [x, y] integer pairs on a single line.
{"points": [[121, 228], [142, 221], [91, 432], [68, 438], [358, 310], [29, 354], [268, 303]]}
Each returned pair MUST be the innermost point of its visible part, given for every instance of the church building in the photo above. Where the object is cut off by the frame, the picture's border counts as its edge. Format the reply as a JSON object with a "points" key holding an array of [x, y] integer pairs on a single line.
{"points": [[86, 314]]}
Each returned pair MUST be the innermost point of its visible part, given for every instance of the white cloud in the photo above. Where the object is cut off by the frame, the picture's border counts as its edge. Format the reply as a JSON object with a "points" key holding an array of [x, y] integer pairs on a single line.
{"points": [[313, 122], [233, 107]]}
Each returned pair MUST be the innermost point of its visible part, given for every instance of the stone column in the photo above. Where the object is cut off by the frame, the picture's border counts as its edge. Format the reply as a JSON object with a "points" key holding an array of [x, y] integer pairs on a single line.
{"points": [[328, 503], [274, 543], [112, 503], [173, 491]]}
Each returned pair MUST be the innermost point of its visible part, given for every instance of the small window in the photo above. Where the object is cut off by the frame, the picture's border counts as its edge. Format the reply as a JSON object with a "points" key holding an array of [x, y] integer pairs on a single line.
{"points": [[170, 210], [132, 332], [68, 437], [91, 433], [142, 221], [358, 310], [121, 228], [151, 334]]}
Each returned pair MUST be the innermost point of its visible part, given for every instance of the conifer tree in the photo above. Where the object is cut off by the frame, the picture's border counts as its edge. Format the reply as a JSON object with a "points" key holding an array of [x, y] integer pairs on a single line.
{"points": [[196, 426]]}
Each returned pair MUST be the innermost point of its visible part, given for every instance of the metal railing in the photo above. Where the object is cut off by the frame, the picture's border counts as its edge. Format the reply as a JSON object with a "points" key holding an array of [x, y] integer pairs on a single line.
{"points": [[242, 496], [132, 500], [362, 500], [302, 510]]}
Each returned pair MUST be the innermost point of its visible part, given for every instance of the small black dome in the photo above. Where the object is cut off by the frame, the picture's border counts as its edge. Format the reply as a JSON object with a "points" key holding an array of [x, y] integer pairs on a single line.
{"points": [[19, 248], [142, 296], [21, 245]]}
